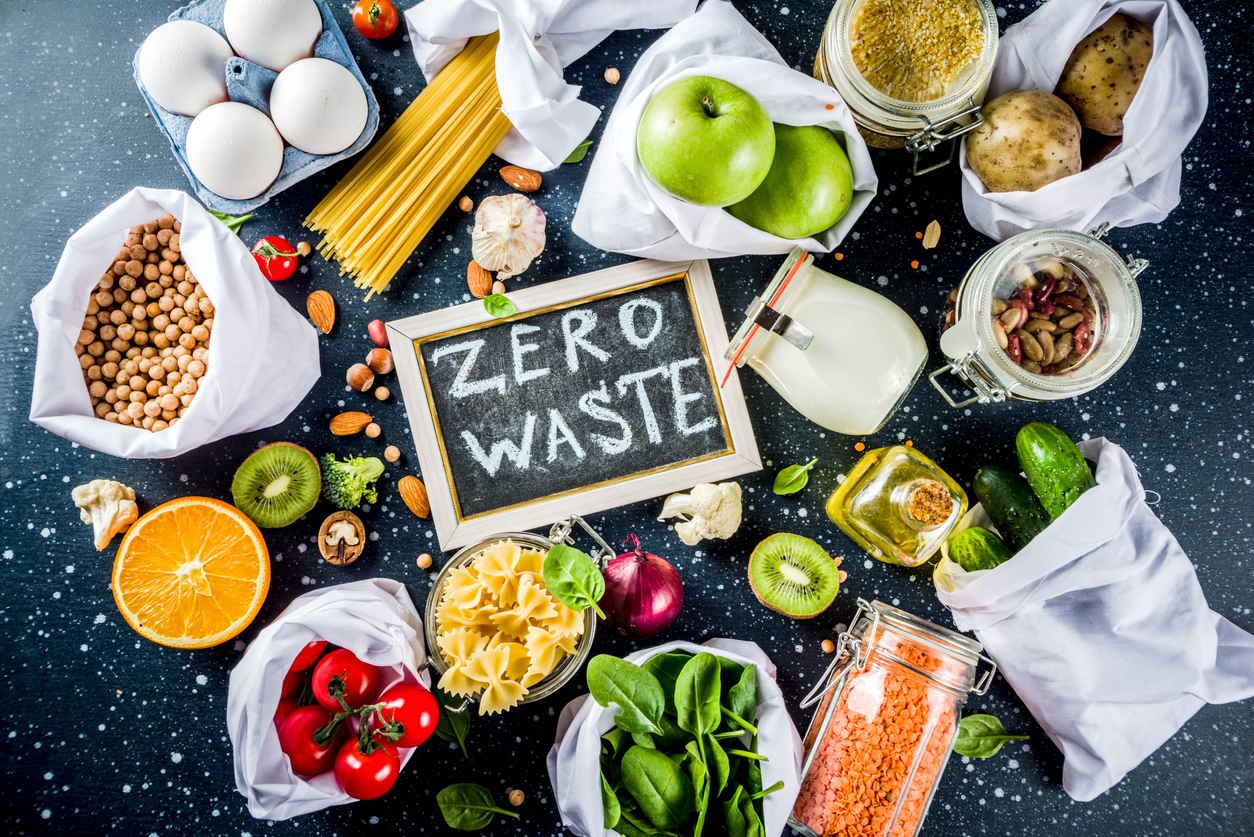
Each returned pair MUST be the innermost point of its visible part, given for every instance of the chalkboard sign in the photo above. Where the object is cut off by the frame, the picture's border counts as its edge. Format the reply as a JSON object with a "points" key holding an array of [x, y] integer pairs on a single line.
{"points": [[599, 392]]}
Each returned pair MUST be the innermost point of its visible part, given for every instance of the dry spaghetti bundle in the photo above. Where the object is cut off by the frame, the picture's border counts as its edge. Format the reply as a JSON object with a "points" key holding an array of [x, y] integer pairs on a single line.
{"points": [[374, 218]]}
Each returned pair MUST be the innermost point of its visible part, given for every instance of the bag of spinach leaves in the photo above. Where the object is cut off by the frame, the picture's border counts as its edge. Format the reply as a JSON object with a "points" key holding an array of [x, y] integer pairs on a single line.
{"points": [[682, 739]]}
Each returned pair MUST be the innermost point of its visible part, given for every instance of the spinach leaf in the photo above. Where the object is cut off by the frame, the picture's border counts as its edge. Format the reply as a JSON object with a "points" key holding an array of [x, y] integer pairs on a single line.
{"points": [[468, 807], [694, 765], [635, 824], [614, 738], [672, 738], [793, 478], [666, 668], [643, 739], [581, 151], [611, 772], [637, 693], [742, 699], [661, 789], [499, 306], [733, 815], [233, 222], [719, 766], [981, 736], [613, 811], [731, 733], [778, 786], [574, 579], [697, 695], [452, 726], [730, 673], [753, 823]]}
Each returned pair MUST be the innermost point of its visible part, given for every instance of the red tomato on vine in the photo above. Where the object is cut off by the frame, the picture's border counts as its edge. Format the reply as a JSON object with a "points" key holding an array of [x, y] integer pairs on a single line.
{"points": [[375, 18], [276, 258], [367, 775], [411, 705]]}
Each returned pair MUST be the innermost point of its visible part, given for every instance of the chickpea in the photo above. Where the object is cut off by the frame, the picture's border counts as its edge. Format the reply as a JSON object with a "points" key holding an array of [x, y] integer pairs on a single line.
{"points": [[119, 296], [206, 307], [102, 316], [127, 283], [111, 396], [185, 288], [132, 353], [170, 364], [179, 351], [167, 351], [106, 281], [120, 345], [107, 332], [179, 299], [119, 267], [111, 416], [186, 324], [165, 222], [110, 369], [138, 251], [169, 402], [174, 243], [152, 408], [144, 365], [163, 391], [98, 388], [103, 409], [116, 317], [103, 299], [184, 362], [134, 268], [138, 397], [137, 381], [112, 356], [141, 338], [172, 332], [124, 418], [152, 259], [148, 422], [161, 322], [151, 227], [170, 255], [196, 368], [85, 337], [85, 360], [178, 273], [95, 349], [176, 313], [173, 378], [186, 401], [166, 304], [123, 392], [159, 341], [152, 388], [200, 333], [139, 296], [149, 351], [178, 225], [189, 384], [126, 331], [128, 307], [93, 307], [199, 353], [153, 290], [131, 367], [164, 267], [163, 236], [173, 421], [208, 323], [135, 410], [152, 273], [159, 425]]}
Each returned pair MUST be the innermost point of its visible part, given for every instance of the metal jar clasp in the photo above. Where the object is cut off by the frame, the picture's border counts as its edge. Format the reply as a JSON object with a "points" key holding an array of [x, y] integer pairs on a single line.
{"points": [[782, 324], [933, 135]]}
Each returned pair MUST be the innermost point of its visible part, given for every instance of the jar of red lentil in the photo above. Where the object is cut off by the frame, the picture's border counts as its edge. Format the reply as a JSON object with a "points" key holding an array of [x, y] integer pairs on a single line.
{"points": [[888, 714], [913, 72]]}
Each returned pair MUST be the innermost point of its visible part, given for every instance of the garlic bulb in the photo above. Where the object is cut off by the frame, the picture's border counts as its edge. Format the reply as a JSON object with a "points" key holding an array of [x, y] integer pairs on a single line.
{"points": [[508, 234]]}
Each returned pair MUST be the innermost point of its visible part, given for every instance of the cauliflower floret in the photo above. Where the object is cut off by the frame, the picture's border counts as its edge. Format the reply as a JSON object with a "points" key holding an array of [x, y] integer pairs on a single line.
{"points": [[108, 506], [708, 511]]}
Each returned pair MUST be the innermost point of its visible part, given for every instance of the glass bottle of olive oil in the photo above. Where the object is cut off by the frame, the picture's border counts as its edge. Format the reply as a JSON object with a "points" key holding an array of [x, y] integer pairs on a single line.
{"points": [[898, 505]]}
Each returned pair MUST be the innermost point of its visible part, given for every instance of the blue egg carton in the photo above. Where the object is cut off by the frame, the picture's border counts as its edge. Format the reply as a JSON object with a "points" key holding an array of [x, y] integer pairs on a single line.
{"points": [[250, 84]]}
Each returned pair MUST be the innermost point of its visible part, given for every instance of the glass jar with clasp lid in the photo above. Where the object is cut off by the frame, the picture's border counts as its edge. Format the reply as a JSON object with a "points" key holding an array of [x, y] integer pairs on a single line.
{"points": [[1078, 318], [887, 719], [931, 88]]}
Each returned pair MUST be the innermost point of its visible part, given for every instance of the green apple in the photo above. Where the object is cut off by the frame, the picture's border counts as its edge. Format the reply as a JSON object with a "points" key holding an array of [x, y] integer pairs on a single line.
{"points": [[705, 141], [807, 189]]}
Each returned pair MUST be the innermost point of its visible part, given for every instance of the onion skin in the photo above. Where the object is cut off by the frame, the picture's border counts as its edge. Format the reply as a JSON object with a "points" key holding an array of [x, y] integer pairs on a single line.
{"points": [[643, 593]]}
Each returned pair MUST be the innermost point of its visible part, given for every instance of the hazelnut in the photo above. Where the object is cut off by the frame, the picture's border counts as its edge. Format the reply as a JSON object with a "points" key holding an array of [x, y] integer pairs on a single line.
{"points": [[380, 361], [360, 377], [382, 393], [424, 561], [373, 430], [392, 453]]}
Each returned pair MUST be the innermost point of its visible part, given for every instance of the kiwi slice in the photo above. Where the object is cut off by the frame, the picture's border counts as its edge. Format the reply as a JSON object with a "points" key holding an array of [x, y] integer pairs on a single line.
{"points": [[277, 484], [794, 576]]}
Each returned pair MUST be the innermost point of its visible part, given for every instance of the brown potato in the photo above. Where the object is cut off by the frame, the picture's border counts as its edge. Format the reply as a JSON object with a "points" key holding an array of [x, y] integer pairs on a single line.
{"points": [[1029, 139], [1104, 72], [1095, 147]]}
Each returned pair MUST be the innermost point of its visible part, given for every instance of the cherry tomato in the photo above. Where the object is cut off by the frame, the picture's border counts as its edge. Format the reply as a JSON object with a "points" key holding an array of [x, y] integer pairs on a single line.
{"points": [[367, 775], [375, 18], [361, 680], [309, 655], [275, 257], [292, 683], [413, 706], [287, 706], [296, 738]]}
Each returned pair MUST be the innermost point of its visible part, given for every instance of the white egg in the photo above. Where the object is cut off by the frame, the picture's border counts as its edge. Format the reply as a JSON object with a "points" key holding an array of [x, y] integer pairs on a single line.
{"points": [[183, 66], [318, 106], [234, 150], [272, 33]]}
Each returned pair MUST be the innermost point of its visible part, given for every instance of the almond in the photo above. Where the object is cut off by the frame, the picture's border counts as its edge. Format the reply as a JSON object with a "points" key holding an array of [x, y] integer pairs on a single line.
{"points": [[321, 310], [414, 493], [479, 280], [931, 236], [524, 180], [350, 424]]}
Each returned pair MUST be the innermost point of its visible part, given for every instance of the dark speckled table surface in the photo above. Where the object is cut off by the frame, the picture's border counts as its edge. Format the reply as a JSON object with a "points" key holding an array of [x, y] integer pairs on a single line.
{"points": [[106, 733]]}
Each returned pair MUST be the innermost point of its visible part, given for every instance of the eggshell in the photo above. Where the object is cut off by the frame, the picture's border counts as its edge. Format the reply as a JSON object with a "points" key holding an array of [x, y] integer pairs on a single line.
{"points": [[272, 33], [234, 150], [183, 66], [318, 106]]}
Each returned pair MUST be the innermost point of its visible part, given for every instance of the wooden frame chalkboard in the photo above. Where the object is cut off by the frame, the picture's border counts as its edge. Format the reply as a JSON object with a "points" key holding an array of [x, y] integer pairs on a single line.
{"points": [[719, 446]]}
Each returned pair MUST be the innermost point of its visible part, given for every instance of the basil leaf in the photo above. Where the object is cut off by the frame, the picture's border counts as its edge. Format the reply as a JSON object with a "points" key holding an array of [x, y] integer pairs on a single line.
{"points": [[574, 579], [697, 695], [581, 151], [742, 699], [793, 478], [718, 765], [452, 726], [981, 736], [661, 789], [233, 222], [666, 668], [609, 801], [637, 693], [499, 306], [468, 807]]}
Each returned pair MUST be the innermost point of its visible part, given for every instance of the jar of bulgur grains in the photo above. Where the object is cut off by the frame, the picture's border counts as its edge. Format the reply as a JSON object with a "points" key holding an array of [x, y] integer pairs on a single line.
{"points": [[1045, 315], [913, 72], [888, 714]]}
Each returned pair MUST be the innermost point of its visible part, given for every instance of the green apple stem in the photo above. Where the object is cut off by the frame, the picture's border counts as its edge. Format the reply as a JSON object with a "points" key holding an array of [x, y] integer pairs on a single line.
{"points": [[709, 106]]}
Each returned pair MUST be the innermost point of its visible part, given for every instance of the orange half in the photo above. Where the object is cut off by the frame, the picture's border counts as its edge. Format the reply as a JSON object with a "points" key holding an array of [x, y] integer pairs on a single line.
{"points": [[191, 573]]}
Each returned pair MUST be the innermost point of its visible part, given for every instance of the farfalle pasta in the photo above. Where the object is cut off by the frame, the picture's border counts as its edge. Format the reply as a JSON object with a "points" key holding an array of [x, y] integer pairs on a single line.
{"points": [[498, 629]]}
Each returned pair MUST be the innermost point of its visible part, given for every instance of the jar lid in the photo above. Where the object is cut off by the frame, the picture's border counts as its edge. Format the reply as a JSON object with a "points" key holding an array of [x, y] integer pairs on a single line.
{"points": [[779, 283]]}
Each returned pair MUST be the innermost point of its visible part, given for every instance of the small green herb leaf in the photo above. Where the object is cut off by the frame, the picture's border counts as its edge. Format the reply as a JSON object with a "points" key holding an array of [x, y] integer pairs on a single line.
{"points": [[468, 807], [742, 699], [609, 801], [981, 736], [574, 579], [793, 478], [581, 151], [499, 306], [636, 692], [452, 726], [233, 222]]}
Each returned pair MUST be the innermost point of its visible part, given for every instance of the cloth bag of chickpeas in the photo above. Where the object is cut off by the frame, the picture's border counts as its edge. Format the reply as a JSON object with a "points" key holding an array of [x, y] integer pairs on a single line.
{"points": [[181, 343], [1138, 179]]}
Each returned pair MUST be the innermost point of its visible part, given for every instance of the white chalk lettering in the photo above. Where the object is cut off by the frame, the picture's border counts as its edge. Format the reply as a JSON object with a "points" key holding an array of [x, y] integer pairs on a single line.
{"points": [[462, 385], [588, 405], [519, 454], [523, 375], [683, 399], [627, 321], [557, 424], [638, 378], [575, 338]]}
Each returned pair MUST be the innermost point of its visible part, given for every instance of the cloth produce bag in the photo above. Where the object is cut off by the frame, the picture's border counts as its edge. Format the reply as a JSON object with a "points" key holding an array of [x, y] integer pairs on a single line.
{"points": [[574, 762], [263, 356], [623, 210], [538, 39], [377, 621], [1100, 626], [1138, 182]]}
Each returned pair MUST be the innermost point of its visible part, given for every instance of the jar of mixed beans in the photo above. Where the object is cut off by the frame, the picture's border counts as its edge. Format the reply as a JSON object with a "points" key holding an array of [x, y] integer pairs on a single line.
{"points": [[913, 72], [1045, 315], [888, 714]]}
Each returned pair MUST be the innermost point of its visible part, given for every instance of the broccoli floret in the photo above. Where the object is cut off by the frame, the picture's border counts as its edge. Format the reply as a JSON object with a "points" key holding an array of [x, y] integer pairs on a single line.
{"points": [[347, 484]]}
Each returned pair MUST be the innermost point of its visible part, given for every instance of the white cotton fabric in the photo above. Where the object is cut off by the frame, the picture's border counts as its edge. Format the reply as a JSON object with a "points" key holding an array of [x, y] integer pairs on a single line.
{"points": [[538, 39], [1100, 626], [574, 762], [377, 621], [623, 210], [263, 356], [1138, 182]]}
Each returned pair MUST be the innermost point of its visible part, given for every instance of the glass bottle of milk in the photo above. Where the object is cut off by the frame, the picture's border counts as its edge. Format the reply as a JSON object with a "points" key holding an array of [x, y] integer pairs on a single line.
{"points": [[842, 355]]}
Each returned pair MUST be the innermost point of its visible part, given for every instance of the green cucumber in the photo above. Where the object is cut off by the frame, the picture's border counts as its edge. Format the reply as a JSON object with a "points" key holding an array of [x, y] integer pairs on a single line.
{"points": [[1054, 466], [1009, 502], [977, 549]]}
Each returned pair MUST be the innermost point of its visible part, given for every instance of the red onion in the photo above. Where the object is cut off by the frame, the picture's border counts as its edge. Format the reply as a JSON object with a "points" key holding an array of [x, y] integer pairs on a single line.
{"points": [[643, 593]]}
